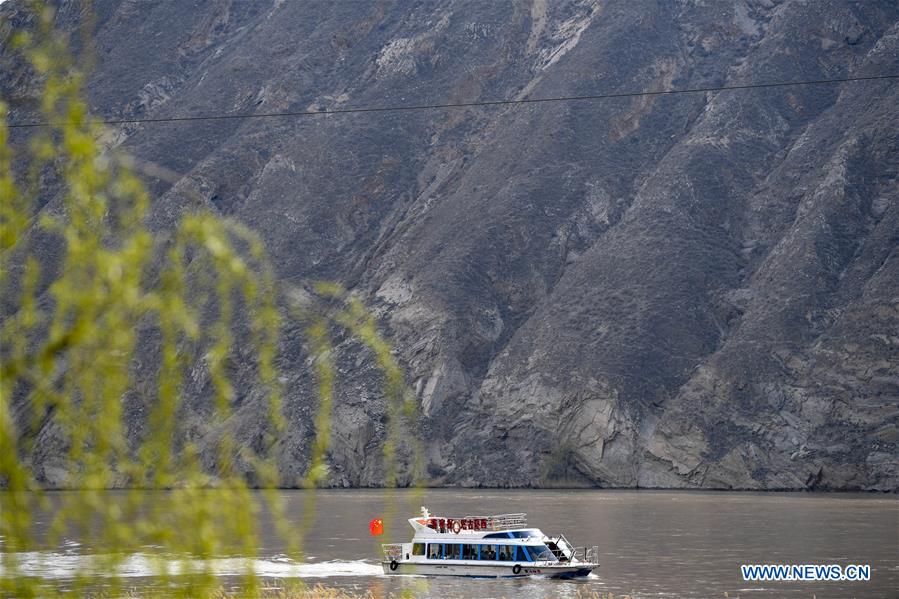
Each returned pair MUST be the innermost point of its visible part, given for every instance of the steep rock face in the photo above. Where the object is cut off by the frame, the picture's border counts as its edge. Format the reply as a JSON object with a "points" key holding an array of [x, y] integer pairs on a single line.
{"points": [[695, 290]]}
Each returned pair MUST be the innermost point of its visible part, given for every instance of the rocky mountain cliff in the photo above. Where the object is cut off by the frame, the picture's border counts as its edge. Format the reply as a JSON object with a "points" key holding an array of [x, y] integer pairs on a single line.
{"points": [[692, 290]]}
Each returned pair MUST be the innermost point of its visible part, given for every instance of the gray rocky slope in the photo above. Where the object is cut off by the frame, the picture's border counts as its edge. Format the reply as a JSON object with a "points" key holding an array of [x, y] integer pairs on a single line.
{"points": [[695, 290]]}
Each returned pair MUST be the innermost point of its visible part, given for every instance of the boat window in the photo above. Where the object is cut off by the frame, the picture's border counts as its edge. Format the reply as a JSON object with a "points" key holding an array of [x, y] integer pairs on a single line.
{"points": [[469, 551], [506, 553], [524, 534], [418, 549], [488, 552], [453, 551], [498, 535], [434, 551], [541, 553]]}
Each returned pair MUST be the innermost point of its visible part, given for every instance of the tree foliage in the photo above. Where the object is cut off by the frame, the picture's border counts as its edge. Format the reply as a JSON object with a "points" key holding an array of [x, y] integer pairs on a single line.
{"points": [[120, 294]]}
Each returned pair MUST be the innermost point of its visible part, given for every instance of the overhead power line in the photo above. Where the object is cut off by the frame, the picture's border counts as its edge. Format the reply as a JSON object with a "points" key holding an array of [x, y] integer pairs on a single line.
{"points": [[304, 113]]}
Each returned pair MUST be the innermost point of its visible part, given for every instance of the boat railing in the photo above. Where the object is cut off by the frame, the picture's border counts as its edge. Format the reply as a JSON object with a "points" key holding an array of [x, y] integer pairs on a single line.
{"points": [[586, 554], [507, 521], [497, 522], [393, 551]]}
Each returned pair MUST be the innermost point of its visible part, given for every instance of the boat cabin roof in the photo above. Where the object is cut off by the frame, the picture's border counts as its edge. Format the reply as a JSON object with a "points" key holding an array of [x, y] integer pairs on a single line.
{"points": [[501, 526]]}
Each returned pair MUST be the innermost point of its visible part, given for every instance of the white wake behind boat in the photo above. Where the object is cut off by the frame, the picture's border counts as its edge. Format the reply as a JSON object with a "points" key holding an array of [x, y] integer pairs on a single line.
{"points": [[486, 546]]}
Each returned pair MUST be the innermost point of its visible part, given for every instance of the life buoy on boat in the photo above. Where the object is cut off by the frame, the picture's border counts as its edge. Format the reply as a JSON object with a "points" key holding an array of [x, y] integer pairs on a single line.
{"points": [[516, 569], [394, 565], [457, 527]]}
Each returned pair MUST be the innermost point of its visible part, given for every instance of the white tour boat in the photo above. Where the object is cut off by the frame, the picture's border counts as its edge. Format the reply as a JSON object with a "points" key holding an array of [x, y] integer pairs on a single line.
{"points": [[486, 546]]}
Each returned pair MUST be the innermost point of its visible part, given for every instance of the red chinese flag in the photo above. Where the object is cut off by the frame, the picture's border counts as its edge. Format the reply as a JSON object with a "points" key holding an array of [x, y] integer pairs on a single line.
{"points": [[376, 527]]}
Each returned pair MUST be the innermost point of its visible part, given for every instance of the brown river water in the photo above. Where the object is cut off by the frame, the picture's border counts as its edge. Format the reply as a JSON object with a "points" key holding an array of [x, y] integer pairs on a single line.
{"points": [[651, 543]]}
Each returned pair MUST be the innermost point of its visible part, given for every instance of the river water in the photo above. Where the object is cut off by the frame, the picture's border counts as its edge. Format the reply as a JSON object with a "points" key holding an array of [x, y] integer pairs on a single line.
{"points": [[651, 543]]}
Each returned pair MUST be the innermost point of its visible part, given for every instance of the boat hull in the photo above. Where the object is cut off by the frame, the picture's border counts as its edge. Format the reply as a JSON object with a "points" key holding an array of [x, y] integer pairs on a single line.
{"points": [[578, 570]]}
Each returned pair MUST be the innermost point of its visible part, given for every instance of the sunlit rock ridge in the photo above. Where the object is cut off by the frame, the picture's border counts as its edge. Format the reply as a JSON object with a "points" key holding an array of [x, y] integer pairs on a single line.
{"points": [[693, 290]]}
